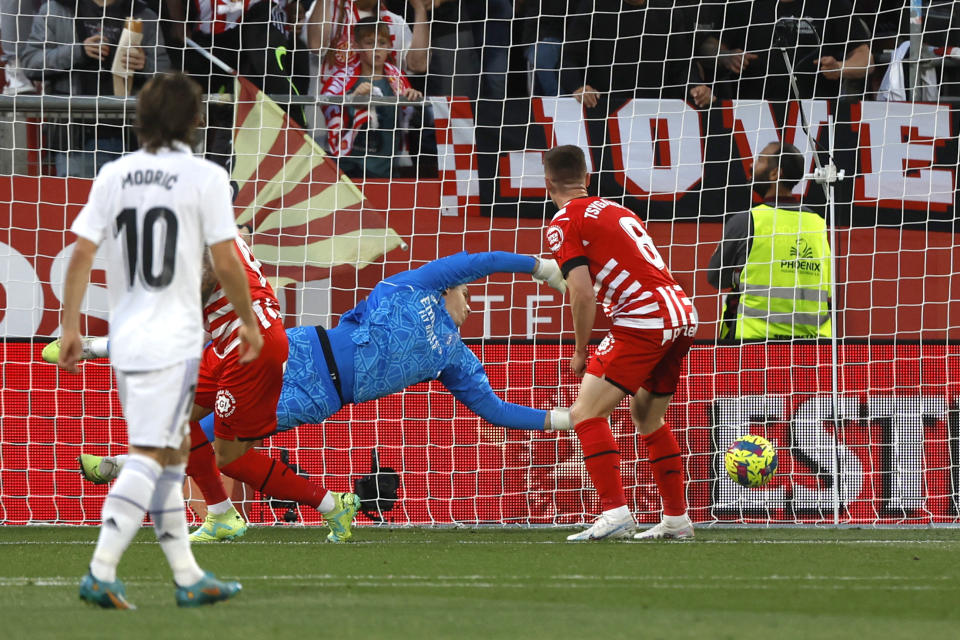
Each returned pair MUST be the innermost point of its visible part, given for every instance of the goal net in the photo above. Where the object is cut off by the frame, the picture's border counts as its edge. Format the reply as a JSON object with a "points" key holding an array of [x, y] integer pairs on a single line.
{"points": [[347, 175]]}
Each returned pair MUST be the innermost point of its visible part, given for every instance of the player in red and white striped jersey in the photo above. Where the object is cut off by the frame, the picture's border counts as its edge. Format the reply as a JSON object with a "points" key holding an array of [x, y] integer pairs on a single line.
{"points": [[242, 397], [244, 404], [607, 256], [219, 318]]}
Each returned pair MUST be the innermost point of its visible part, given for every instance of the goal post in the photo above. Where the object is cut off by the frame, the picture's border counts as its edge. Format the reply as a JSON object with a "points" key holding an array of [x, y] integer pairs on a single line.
{"points": [[865, 422]]}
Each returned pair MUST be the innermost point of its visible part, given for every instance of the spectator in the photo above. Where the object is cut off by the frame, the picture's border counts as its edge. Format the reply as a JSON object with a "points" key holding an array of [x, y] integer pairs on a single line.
{"points": [[606, 39], [775, 258], [491, 24], [544, 29], [330, 33], [16, 18], [470, 50], [71, 50], [247, 35], [366, 138], [257, 38], [330, 25], [826, 43], [940, 41]]}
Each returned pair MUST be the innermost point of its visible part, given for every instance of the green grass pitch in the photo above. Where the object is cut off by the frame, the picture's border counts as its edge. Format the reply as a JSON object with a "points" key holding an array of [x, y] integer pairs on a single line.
{"points": [[503, 583]]}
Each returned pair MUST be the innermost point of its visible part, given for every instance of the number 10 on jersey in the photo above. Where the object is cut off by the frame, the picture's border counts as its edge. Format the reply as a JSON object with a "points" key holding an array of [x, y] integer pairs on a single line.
{"points": [[145, 247]]}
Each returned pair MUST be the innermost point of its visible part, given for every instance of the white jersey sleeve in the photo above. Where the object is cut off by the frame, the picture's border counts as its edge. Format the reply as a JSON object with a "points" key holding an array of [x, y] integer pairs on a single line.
{"points": [[216, 209], [92, 221]]}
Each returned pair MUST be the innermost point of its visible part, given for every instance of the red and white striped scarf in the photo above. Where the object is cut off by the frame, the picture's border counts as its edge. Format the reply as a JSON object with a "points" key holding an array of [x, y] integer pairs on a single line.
{"points": [[344, 124], [345, 17]]}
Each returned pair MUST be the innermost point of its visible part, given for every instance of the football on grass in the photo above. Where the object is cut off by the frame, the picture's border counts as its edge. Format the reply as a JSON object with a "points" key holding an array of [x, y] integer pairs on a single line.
{"points": [[751, 461]]}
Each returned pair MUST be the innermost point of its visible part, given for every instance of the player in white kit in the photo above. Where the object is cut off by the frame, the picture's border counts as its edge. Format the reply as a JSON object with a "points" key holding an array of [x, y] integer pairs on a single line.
{"points": [[153, 212]]}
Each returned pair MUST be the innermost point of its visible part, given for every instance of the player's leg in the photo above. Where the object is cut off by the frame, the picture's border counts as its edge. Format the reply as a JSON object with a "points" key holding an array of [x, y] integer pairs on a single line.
{"points": [[95, 469], [92, 348], [121, 516], [129, 497], [194, 586], [277, 480], [589, 414], [155, 406], [223, 521], [648, 409], [101, 469], [245, 413]]}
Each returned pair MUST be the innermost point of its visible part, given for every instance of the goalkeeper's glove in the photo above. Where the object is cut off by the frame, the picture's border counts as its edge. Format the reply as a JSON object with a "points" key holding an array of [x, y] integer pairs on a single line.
{"points": [[560, 420], [548, 271]]}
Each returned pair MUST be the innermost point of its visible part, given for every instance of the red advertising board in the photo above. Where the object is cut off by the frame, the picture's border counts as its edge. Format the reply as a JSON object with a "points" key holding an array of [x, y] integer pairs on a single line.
{"points": [[891, 283], [892, 457]]}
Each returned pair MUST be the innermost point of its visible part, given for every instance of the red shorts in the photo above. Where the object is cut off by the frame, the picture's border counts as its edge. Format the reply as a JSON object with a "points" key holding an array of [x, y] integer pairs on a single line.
{"points": [[244, 397], [635, 358]]}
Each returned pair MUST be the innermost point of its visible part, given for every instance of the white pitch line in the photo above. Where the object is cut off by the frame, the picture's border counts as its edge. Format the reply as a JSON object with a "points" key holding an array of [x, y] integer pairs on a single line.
{"points": [[328, 578], [699, 541], [671, 584]]}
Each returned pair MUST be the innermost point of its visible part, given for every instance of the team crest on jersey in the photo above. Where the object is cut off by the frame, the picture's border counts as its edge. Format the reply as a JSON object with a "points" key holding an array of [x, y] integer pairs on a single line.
{"points": [[606, 346], [226, 404], [554, 238]]}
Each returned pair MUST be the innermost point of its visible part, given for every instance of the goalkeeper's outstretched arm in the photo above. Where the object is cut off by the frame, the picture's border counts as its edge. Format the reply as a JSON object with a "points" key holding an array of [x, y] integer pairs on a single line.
{"points": [[461, 268], [467, 380]]}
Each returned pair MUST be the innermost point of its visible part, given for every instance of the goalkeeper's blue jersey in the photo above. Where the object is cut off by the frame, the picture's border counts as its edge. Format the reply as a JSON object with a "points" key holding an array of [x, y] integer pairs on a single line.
{"points": [[399, 336]]}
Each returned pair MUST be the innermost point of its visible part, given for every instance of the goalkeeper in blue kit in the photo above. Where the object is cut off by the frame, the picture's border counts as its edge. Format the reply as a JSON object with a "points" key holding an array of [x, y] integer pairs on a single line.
{"points": [[405, 332]]}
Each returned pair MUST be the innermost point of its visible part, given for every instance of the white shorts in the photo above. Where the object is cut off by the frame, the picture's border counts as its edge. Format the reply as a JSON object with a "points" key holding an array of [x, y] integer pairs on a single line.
{"points": [[157, 404]]}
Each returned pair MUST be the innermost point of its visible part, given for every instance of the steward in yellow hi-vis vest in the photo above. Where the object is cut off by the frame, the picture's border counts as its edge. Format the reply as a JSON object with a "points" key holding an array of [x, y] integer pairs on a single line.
{"points": [[775, 258]]}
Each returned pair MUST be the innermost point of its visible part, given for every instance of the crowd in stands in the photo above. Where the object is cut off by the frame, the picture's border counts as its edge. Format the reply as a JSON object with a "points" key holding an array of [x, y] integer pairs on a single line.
{"points": [[602, 52]]}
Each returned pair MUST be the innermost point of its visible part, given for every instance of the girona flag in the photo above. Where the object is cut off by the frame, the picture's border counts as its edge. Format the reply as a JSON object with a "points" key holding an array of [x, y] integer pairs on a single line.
{"points": [[307, 217]]}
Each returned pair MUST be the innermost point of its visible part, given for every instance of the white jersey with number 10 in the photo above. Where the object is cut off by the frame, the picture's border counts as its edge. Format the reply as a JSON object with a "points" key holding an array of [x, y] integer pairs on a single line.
{"points": [[152, 214]]}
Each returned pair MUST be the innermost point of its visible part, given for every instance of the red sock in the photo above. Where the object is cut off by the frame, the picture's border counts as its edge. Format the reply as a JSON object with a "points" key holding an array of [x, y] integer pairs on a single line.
{"points": [[202, 466], [667, 466], [274, 478], [602, 457]]}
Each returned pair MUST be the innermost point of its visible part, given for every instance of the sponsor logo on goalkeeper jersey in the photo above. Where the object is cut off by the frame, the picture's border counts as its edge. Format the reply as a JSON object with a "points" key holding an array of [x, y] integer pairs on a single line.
{"points": [[428, 317]]}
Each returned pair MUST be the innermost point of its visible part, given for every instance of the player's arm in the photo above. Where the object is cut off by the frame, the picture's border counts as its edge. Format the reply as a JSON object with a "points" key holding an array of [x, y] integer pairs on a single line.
{"points": [[466, 379], [583, 306], [233, 281], [463, 267], [78, 275]]}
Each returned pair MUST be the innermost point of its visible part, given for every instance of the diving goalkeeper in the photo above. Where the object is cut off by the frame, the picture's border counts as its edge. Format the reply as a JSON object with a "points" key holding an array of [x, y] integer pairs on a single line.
{"points": [[405, 332]]}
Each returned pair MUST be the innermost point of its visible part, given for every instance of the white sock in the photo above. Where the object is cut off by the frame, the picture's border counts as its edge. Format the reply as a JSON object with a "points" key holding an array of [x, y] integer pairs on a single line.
{"points": [[619, 513], [122, 514], [676, 521], [111, 466], [99, 347], [327, 504], [220, 508], [170, 525]]}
